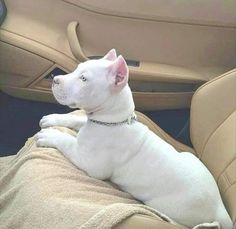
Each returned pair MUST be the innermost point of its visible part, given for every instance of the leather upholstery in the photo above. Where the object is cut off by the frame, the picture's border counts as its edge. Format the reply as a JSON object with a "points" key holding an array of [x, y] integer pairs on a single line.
{"points": [[213, 134], [141, 221]]}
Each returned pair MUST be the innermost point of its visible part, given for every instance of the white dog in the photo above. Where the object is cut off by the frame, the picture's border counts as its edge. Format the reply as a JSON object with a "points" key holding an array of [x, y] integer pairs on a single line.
{"points": [[112, 144]]}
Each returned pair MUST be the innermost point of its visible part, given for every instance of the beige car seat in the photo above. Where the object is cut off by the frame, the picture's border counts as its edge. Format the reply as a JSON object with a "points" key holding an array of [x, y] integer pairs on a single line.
{"points": [[213, 134]]}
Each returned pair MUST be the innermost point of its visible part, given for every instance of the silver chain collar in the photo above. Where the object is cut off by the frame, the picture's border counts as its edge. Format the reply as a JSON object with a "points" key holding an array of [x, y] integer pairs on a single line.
{"points": [[128, 121]]}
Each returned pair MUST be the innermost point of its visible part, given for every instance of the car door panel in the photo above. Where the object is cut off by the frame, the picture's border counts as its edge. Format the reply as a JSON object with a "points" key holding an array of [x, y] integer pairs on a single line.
{"points": [[172, 49], [201, 12], [14, 66]]}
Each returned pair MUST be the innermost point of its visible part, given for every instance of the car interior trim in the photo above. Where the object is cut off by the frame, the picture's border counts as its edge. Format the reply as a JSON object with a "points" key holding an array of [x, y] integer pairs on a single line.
{"points": [[175, 13]]}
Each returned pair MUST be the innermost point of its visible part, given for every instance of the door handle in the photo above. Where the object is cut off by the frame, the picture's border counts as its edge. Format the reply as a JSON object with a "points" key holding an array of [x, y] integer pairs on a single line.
{"points": [[74, 41]]}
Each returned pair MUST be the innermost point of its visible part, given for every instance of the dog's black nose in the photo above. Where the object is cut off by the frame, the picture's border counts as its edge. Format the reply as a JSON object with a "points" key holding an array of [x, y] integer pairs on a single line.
{"points": [[56, 80]]}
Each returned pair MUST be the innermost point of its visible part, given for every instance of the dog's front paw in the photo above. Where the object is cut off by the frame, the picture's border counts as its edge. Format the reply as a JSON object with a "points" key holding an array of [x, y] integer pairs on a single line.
{"points": [[49, 138], [49, 120]]}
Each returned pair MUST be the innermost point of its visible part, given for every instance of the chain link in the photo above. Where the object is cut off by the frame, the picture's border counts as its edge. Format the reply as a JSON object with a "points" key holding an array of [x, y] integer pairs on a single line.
{"points": [[128, 121]]}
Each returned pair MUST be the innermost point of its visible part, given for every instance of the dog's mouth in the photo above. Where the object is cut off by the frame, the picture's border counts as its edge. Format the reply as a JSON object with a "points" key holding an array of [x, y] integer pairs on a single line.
{"points": [[59, 95], [62, 98], [73, 105]]}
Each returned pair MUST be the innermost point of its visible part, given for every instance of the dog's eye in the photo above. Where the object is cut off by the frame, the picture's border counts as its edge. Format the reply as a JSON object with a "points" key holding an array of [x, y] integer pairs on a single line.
{"points": [[83, 78]]}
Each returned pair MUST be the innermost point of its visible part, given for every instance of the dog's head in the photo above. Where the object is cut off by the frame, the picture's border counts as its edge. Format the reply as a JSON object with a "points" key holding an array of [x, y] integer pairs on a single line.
{"points": [[92, 83]]}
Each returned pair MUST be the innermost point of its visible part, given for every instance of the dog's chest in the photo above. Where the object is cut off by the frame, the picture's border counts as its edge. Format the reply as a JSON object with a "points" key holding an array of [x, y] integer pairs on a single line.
{"points": [[110, 144]]}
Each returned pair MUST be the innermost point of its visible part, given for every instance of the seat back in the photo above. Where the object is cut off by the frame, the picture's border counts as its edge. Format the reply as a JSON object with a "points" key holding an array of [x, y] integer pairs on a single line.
{"points": [[213, 133]]}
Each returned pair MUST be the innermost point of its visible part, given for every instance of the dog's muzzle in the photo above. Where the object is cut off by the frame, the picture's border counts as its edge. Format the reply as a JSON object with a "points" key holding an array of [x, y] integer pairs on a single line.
{"points": [[55, 81]]}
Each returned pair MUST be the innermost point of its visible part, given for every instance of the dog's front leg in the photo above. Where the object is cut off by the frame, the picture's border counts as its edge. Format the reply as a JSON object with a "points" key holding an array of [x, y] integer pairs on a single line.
{"points": [[64, 142], [66, 120]]}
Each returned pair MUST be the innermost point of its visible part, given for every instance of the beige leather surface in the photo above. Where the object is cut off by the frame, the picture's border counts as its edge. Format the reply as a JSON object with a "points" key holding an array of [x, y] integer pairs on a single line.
{"points": [[19, 67], [162, 100], [39, 89], [165, 73], [212, 103], [26, 79], [74, 42], [214, 12], [213, 133], [37, 48], [145, 222], [198, 48]]}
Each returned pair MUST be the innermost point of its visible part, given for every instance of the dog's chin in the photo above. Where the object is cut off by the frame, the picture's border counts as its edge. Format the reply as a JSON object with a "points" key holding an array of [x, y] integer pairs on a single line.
{"points": [[63, 99], [70, 105], [73, 106], [60, 100], [65, 103]]}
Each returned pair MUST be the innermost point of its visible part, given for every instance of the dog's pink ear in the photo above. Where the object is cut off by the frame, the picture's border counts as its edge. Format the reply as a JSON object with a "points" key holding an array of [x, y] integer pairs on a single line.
{"points": [[111, 55], [121, 72]]}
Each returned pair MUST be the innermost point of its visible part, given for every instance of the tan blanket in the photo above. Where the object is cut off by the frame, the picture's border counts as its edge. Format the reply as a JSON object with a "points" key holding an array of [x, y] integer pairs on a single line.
{"points": [[39, 188]]}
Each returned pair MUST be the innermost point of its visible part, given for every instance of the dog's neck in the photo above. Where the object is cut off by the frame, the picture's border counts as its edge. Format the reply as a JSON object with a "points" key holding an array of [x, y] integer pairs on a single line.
{"points": [[118, 108]]}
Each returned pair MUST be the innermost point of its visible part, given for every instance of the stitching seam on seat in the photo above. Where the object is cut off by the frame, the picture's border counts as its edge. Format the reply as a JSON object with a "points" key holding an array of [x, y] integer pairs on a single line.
{"points": [[229, 187], [200, 88], [225, 169], [228, 184], [213, 132]]}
